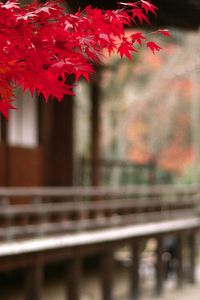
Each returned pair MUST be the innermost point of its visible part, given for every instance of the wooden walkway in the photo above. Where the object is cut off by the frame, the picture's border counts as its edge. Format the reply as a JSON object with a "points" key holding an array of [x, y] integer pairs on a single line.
{"points": [[42, 225]]}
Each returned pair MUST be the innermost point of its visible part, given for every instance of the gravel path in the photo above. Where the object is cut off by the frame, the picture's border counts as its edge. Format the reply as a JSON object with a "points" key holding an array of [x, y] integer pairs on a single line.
{"points": [[187, 292]]}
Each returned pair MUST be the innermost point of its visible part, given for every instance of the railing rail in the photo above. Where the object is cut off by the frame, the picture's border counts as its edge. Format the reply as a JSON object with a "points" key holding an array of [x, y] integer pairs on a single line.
{"points": [[32, 212], [121, 172], [99, 191]]}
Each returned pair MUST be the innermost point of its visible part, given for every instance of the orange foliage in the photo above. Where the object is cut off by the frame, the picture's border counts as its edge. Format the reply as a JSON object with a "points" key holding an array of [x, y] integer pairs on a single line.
{"points": [[147, 133], [175, 158]]}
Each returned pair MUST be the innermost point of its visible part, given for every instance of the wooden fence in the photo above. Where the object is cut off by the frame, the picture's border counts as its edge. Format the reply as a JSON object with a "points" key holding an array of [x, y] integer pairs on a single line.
{"points": [[115, 172], [41, 225], [32, 212]]}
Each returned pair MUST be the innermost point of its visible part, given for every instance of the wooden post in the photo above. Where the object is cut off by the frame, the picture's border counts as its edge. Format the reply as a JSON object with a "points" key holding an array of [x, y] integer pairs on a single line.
{"points": [[152, 171], [179, 257], [95, 129], [56, 136], [159, 266], [106, 273], [134, 288], [74, 271], [192, 255], [4, 160], [4, 129], [34, 282]]}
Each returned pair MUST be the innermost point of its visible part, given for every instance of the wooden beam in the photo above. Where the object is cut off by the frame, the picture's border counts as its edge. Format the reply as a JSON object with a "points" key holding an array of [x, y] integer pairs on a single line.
{"points": [[34, 281], [159, 266], [137, 190], [135, 278], [106, 274], [73, 276], [179, 257], [192, 255], [93, 237]]}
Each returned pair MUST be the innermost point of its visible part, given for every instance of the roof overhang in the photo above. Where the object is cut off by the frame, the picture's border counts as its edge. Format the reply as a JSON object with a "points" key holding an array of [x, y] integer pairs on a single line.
{"points": [[183, 14]]}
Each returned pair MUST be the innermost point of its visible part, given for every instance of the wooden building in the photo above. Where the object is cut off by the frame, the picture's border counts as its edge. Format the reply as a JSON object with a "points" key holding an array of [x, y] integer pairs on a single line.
{"points": [[37, 144], [37, 149]]}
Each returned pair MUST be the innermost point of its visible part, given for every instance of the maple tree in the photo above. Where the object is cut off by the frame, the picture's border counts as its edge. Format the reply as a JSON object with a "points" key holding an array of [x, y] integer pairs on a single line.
{"points": [[41, 45]]}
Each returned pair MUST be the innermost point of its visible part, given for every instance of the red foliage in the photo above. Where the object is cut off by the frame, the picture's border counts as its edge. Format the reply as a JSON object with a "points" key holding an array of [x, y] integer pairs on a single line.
{"points": [[41, 45], [153, 46]]}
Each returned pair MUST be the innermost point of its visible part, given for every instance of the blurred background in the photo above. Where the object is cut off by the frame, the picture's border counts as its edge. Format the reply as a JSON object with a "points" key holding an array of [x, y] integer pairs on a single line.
{"points": [[149, 112], [135, 123]]}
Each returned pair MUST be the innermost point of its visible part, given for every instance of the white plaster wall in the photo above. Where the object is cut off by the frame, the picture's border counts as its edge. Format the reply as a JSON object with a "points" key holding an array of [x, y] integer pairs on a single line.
{"points": [[22, 124]]}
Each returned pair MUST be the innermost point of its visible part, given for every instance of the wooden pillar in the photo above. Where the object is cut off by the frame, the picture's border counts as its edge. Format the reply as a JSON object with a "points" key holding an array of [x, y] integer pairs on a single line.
{"points": [[159, 266], [179, 257], [4, 129], [106, 274], [192, 255], [74, 272], [4, 159], [95, 129], [152, 171], [134, 287], [56, 133], [34, 282]]}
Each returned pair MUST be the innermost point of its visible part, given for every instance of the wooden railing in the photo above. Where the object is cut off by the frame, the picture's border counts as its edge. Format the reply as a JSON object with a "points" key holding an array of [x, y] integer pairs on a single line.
{"points": [[33, 212], [116, 172], [41, 225]]}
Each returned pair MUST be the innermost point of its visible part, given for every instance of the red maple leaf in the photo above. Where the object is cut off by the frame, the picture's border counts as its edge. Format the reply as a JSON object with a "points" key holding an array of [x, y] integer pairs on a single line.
{"points": [[148, 7], [125, 49], [5, 106], [153, 46], [137, 37], [164, 32], [137, 13]]}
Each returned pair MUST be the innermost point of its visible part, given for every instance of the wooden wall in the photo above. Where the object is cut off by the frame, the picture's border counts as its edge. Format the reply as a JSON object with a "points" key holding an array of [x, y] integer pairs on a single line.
{"points": [[25, 166], [21, 166], [49, 164]]}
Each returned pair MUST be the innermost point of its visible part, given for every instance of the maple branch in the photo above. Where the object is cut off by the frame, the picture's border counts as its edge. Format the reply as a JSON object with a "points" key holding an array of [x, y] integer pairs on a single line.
{"points": [[41, 45]]}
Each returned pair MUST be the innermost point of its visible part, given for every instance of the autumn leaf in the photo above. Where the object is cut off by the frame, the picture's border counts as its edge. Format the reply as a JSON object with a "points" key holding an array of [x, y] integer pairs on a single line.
{"points": [[148, 7], [153, 46], [137, 13], [164, 32], [5, 106], [125, 49], [137, 37]]}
